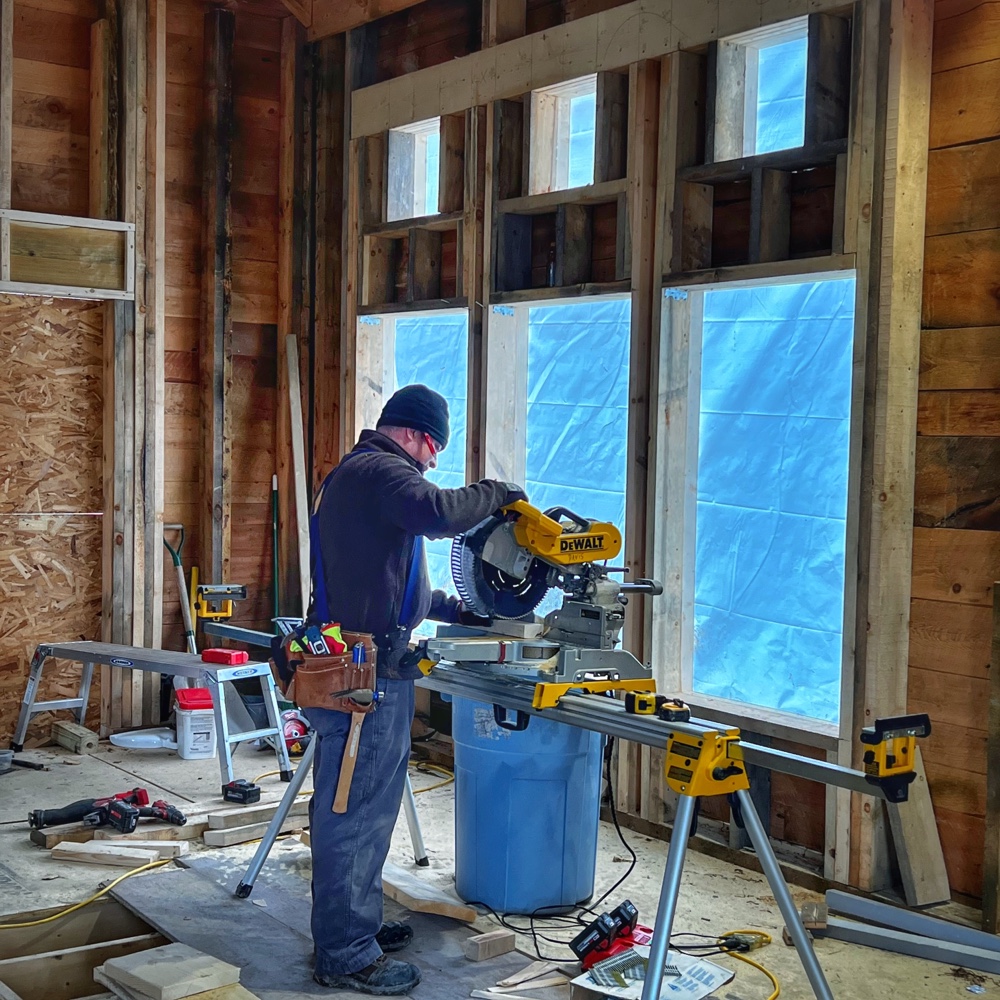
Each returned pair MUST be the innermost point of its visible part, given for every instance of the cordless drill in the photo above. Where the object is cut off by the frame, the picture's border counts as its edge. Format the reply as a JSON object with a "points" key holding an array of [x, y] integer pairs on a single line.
{"points": [[121, 811]]}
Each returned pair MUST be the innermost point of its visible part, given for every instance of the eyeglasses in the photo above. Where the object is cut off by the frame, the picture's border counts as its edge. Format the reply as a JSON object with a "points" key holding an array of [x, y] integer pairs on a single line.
{"points": [[430, 444]]}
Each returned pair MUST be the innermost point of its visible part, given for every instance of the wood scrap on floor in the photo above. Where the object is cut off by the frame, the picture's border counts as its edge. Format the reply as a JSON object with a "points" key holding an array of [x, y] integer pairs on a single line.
{"points": [[414, 893], [537, 970], [74, 833], [228, 819], [74, 737], [119, 992], [97, 853], [172, 972], [489, 945], [164, 848], [196, 825], [244, 834]]}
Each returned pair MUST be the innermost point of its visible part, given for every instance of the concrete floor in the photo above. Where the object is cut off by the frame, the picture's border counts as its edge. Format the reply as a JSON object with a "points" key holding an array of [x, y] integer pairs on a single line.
{"points": [[715, 896]]}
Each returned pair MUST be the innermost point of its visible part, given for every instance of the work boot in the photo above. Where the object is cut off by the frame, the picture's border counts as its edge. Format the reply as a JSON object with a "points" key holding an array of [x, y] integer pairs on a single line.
{"points": [[394, 936], [385, 977]]}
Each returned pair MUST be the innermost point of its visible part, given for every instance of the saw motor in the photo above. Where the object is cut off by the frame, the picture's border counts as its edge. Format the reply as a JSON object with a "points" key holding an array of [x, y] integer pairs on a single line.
{"points": [[506, 564]]}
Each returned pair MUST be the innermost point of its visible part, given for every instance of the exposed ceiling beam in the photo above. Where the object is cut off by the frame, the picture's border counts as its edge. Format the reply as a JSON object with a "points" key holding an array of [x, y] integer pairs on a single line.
{"points": [[301, 10], [331, 17]]}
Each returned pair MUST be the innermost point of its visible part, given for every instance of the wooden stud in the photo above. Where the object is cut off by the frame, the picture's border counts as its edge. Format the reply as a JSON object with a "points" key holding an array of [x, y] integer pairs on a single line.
{"points": [[503, 20], [329, 210], [611, 127], [100, 57], [890, 273], [770, 215], [217, 289], [299, 469], [647, 249], [991, 854], [451, 182], [423, 281], [574, 249], [287, 566], [6, 99], [508, 149], [828, 78], [155, 336], [476, 262], [697, 206], [513, 253]]}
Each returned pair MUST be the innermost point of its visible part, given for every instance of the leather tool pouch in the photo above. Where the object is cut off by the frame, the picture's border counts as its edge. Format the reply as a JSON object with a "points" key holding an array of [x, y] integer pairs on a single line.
{"points": [[318, 680]]}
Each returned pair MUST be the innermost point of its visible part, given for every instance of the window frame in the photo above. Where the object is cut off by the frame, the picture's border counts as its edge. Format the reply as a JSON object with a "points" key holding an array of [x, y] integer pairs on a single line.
{"points": [[674, 528], [737, 57], [549, 131], [407, 156]]}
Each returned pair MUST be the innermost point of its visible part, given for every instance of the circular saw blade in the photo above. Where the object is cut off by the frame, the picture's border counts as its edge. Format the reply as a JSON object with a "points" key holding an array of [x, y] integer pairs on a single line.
{"points": [[487, 590]]}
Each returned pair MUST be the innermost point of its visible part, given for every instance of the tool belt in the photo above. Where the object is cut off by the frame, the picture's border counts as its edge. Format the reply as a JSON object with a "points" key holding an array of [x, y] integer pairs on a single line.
{"points": [[318, 681]]}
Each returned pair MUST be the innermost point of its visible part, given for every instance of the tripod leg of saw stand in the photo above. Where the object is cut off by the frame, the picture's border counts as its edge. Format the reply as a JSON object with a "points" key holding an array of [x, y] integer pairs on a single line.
{"points": [[277, 821], [765, 854], [667, 908], [284, 806], [413, 822]]}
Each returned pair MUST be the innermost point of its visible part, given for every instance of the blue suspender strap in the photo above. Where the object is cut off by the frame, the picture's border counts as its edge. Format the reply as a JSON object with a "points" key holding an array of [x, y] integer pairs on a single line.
{"points": [[320, 602], [416, 565]]}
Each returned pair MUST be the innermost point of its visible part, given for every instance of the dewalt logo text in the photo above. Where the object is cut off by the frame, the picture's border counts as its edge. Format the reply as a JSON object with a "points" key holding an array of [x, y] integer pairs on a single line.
{"points": [[581, 544]]}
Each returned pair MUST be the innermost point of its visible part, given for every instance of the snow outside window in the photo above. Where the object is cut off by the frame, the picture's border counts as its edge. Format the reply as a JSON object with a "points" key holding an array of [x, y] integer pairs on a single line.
{"points": [[774, 436], [578, 358]]}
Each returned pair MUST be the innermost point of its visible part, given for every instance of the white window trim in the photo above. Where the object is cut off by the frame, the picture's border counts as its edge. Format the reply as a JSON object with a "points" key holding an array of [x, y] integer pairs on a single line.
{"points": [[420, 131], [673, 527], [549, 133]]}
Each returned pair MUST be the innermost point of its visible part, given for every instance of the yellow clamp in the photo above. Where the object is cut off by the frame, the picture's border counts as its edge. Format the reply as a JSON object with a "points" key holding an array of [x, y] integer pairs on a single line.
{"points": [[709, 763], [890, 752]]}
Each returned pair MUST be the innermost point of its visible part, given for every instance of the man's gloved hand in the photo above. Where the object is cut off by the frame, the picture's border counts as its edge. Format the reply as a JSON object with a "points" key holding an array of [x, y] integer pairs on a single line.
{"points": [[467, 617], [514, 492]]}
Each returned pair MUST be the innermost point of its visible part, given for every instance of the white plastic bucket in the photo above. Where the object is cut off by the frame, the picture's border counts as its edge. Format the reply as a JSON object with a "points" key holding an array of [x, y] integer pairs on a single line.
{"points": [[196, 733]]}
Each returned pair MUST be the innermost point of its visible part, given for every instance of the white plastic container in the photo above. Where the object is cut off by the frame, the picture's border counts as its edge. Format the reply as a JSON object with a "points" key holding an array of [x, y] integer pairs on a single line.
{"points": [[195, 715]]}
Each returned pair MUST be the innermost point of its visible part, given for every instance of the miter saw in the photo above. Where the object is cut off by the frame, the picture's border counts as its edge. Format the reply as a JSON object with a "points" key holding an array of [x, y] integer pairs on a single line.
{"points": [[504, 567]]}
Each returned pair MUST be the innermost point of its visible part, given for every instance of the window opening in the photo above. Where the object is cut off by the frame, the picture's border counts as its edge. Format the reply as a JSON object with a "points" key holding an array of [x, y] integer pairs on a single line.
{"points": [[772, 489], [577, 411], [414, 165], [562, 132], [760, 87], [432, 349]]}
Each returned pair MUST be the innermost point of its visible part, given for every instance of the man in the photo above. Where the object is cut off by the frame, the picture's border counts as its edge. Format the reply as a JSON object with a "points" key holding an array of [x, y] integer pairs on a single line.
{"points": [[374, 512]]}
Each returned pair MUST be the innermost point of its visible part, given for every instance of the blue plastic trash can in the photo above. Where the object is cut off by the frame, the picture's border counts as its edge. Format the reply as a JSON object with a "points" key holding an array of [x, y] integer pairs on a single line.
{"points": [[527, 806]]}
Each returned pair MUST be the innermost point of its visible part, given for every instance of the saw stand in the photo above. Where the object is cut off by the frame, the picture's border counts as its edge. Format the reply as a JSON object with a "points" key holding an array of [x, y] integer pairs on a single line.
{"points": [[278, 820], [702, 765]]}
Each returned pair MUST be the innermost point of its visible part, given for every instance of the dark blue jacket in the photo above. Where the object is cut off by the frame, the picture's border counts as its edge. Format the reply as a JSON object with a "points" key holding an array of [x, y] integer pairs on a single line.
{"points": [[374, 505]]}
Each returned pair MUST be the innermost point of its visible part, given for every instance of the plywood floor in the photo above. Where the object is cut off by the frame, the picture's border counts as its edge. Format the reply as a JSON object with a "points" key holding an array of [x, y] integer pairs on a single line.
{"points": [[715, 896]]}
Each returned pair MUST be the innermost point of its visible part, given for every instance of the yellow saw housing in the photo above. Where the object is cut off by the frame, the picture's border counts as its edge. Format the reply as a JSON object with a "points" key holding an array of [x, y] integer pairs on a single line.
{"points": [[561, 545]]}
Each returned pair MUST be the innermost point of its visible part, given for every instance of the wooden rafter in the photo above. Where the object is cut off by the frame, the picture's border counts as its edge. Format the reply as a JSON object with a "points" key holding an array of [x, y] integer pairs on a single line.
{"points": [[331, 17]]}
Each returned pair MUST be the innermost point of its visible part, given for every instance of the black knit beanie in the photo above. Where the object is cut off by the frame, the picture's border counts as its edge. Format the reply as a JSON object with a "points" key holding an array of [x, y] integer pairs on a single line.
{"points": [[420, 409]]}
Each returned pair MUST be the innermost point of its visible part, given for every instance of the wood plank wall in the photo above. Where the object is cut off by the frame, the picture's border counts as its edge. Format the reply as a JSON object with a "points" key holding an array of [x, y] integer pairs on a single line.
{"points": [[253, 393], [956, 546], [51, 114], [430, 33]]}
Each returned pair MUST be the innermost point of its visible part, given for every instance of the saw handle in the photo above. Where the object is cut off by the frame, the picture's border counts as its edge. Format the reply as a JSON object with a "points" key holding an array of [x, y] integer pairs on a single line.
{"points": [[653, 587], [517, 725]]}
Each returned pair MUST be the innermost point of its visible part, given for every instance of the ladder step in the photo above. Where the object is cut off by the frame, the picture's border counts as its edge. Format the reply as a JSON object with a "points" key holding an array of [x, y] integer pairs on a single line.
{"points": [[253, 734]]}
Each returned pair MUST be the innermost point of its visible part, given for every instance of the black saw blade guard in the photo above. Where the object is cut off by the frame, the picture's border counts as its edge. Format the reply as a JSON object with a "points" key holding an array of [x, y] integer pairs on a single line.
{"points": [[486, 590]]}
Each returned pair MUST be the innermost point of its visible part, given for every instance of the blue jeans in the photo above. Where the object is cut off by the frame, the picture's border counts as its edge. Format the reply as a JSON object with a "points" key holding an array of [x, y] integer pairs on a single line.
{"points": [[349, 849]]}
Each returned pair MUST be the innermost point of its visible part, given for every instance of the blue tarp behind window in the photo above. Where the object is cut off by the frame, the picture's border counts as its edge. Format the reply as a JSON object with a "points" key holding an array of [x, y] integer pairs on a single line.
{"points": [[781, 96], [432, 180], [582, 117], [433, 350], [577, 406], [772, 495], [578, 410]]}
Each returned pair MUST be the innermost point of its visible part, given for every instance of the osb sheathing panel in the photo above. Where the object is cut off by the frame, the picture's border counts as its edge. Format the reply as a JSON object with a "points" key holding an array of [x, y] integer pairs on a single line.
{"points": [[50, 492]]}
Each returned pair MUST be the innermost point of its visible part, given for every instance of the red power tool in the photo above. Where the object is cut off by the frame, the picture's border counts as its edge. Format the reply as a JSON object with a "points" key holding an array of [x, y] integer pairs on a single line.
{"points": [[610, 934], [122, 811]]}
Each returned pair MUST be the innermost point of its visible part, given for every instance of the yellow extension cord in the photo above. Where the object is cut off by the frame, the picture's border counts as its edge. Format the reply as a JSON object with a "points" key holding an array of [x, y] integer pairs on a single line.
{"points": [[765, 939], [97, 895]]}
